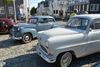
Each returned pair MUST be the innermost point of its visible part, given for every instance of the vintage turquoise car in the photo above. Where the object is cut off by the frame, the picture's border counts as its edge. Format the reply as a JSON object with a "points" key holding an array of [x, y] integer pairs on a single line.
{"points": [[27, 31]]}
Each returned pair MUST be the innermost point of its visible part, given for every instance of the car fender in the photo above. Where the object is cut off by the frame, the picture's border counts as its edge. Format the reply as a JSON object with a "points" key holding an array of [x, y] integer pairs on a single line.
{"points": [[66, 43], [33, 32]]}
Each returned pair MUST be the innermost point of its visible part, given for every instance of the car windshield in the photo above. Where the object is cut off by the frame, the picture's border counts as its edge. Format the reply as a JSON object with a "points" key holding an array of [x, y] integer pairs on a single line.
{"points": [[33, 20], [79, 23]]}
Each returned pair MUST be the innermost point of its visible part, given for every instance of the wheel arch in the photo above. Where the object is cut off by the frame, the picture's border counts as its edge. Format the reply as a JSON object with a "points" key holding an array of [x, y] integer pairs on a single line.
{"points": [[72, 52], [33, 32], [28, 33]]}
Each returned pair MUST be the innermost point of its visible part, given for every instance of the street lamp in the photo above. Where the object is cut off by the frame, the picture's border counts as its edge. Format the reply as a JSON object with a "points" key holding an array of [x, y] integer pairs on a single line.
{"points": [[14, 11], [26, 11], [29, 4]]}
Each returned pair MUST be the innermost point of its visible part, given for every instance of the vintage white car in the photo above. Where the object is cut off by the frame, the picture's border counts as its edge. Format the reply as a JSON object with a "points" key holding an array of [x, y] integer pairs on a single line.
{"points": [[80, 37]]}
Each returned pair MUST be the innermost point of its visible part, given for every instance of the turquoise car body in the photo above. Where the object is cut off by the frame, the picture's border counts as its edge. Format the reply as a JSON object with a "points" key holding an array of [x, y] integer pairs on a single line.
{"points": [[32, 27]]}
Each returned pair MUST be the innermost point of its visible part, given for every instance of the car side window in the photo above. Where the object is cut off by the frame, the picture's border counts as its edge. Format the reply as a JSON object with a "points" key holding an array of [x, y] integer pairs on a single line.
{"points": [[97, 24], [33, 20], [42, 20], [2, 23], [92, 25], [46, 20], [50, 20], [79, 23]]}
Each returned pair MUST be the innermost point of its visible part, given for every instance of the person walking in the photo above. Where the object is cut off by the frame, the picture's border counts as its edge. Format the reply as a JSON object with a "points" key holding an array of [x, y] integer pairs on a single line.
{"points": [[74, 13]]}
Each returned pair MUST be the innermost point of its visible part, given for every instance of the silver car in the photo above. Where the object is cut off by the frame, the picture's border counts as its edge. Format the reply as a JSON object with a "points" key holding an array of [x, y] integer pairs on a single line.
{"points": [[80, 37]]}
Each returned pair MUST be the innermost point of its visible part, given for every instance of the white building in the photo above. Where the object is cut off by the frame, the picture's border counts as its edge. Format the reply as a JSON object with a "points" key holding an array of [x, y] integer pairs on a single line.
{"points": [[44, 8], [41, 8], [59, 7], [55, 8]]}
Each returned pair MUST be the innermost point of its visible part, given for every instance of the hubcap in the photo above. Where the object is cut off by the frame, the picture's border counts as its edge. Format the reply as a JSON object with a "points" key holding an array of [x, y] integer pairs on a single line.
{"points": [[66, 59], [27, 38]]}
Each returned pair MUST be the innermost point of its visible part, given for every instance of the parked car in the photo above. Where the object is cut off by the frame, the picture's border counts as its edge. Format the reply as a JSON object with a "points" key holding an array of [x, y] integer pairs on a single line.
{"points": [[5, 25], [27, 31], [80, 37]]}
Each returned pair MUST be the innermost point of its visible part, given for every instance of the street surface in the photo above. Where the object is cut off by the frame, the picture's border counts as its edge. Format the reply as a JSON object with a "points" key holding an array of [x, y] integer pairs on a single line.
{"points": [[15, 54]]}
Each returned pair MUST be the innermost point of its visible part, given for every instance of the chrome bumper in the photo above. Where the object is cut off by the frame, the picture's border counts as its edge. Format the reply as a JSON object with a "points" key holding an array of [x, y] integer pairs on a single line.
{"points": [[15, 38], [46, 57]]}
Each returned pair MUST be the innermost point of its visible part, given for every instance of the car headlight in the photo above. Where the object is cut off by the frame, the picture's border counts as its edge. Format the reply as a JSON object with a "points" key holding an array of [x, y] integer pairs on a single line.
{"points": [[48, 48], [19, 28], [47, 44]]}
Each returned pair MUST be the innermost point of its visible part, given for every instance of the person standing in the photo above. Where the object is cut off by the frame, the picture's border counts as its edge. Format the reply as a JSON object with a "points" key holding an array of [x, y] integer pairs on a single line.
{"points": [[74, 13]]}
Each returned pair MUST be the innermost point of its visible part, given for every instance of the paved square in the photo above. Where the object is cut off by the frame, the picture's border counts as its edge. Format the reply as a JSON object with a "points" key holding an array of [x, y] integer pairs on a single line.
{"points": [[15, 54]]}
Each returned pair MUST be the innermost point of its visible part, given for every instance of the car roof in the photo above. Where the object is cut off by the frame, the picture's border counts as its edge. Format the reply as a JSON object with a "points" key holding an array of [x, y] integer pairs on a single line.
{"points": [[89, 16], [42, 17]]}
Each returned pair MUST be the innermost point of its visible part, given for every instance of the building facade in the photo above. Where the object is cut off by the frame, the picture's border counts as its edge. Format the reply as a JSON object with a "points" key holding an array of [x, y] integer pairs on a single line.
{"points": [[92, 6], [55, 8], [59, 7], [40, 9], [44, 8], [7, 10]]}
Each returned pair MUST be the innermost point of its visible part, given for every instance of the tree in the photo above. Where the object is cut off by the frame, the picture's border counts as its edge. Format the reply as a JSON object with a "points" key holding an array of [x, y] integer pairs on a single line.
{"points": [[33, 11], [6, 2]]}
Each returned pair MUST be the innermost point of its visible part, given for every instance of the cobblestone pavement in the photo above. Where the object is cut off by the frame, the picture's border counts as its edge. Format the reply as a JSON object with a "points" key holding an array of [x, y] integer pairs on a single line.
{"points": [[15, 54]]}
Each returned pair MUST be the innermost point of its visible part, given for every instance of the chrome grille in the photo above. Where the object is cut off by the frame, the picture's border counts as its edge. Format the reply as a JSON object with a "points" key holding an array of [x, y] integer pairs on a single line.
{"points": [[15, 29], [43, 48], [14, 32]]}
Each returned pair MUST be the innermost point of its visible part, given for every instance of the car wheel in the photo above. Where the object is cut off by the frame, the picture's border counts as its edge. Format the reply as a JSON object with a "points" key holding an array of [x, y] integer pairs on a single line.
{"points": [[26, 38], [64, 59]]}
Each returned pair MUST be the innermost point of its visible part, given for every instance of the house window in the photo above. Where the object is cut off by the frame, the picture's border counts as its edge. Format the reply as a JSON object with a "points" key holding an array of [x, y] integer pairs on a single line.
{"points": [[91, 6], [2, 11], [85, 7], [11, 11], [78, 7], [81, 7], [96, 7], [56, 11]]}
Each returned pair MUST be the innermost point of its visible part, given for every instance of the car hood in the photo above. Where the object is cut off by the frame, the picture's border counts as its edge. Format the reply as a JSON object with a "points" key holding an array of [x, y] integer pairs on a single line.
{"points": [[58, 32], [25, 25]]}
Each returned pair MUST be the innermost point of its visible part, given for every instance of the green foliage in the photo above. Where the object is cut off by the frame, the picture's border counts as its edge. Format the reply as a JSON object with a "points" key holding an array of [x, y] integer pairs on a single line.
{"points": [[33, 11], [7, 1]]}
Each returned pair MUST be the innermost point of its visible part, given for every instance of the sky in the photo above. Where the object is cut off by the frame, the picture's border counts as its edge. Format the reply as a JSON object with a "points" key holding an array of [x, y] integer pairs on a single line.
{"points": [[34, 3]]}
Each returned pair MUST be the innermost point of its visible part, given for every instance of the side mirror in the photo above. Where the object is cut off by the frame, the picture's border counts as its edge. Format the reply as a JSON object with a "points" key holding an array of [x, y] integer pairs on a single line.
{"points": [[89, 30]]}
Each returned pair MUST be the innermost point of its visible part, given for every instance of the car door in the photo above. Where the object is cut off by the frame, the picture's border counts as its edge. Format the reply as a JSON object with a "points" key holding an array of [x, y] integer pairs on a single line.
{"points": [[94, 37], [44, 24]]}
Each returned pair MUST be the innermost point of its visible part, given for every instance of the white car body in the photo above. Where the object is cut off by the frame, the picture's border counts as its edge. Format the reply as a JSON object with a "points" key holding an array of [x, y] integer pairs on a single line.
{"points": [[80, 42]]}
